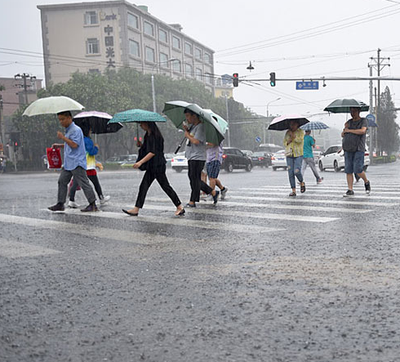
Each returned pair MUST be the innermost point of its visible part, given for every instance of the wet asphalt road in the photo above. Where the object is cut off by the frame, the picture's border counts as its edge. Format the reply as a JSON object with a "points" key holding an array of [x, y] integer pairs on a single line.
{"points": [[259, 277]]}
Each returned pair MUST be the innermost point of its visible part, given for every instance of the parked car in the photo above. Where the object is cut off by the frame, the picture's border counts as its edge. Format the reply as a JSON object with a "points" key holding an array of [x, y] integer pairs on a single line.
{"points": [[168, 158], [317, 156], [130, 162], [233, 158], [117, 161], [333, 158], [278, 160], [262, 159], [179, 162]]}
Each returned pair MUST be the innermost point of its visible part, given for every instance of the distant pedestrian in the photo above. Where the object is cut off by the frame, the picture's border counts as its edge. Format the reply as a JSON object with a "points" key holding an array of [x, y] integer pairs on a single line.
{"points": [[354, 135], [91, 151], [293, 142], [308, 156], [196, 155], [213, 164], [74, 163], [151, 159]]}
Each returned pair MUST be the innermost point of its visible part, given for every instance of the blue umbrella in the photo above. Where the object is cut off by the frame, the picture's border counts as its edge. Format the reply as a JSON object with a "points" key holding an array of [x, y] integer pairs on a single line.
{"points": [[314, 125], [137, 115]]}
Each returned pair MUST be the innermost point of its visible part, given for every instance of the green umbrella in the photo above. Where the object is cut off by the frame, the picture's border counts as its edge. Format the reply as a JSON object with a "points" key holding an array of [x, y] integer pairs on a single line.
{"points": [[175, 112], [221, 122], [344, 105], [137, 115], [52, 105]]}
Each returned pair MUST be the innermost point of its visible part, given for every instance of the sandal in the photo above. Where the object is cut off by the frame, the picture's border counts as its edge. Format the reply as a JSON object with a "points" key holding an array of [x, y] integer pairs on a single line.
{"points": [[303, 188]]}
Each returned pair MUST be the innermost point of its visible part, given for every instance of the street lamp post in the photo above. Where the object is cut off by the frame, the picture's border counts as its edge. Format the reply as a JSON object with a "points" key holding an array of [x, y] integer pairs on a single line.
{"points": [[153, 90], [265, 125]]}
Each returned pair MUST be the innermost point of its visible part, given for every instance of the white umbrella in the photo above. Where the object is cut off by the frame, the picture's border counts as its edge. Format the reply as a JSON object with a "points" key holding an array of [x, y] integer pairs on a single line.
{"points": [[52, 105]]}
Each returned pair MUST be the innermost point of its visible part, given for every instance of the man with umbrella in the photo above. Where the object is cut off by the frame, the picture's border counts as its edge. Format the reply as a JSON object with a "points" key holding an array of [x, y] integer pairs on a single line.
{"points": [[74, 163], [354, 135]]}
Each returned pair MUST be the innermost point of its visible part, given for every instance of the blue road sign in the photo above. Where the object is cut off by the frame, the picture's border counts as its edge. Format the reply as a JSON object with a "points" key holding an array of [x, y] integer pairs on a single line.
{"points": [[258, 139], [370, 117], [307, 85]]}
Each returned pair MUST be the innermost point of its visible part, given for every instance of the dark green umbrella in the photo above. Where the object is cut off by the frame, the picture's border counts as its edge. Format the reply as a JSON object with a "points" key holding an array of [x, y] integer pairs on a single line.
{"points": [[137, 115], [175, 112], [344, 105]]}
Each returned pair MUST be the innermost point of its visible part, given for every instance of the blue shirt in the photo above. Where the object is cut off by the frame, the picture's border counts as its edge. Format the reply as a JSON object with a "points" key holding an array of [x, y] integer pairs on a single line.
{"points": [[307, 147], [74, 157]]}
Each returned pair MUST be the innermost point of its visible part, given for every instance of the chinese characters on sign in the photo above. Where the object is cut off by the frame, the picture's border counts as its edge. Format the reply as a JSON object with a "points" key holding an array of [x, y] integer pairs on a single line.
{"points": [[109, 41]]}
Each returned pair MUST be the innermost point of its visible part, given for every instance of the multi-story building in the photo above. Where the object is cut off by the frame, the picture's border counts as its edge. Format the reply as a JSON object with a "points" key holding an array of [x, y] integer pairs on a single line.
{"points": [[93, 36]]}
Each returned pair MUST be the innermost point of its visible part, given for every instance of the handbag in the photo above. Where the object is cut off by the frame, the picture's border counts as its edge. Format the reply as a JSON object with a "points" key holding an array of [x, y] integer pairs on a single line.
{"points": [[54, 160]]}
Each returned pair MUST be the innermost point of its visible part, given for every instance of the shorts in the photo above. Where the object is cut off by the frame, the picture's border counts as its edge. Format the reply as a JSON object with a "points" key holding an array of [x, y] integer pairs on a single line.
{"points": [[353, 162], [213, 168]]}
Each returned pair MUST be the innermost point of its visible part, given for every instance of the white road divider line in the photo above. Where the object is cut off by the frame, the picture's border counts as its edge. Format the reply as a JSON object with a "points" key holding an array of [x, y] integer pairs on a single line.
{"points": [[185, 222], [14, 249], [87, 230]]}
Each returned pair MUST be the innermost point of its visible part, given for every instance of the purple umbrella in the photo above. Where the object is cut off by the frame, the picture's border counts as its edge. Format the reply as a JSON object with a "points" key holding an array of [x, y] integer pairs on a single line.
{"points": [[282, 123], [98, 122]]}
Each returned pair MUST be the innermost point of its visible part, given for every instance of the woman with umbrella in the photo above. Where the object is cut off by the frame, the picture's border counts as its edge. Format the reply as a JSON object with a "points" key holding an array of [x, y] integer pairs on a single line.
{"points": [[293, 142], [151, 158]]}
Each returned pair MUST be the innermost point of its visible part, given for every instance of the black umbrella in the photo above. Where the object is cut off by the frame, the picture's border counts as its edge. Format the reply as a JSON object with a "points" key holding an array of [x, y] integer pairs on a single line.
{"points": [[98, 122]]}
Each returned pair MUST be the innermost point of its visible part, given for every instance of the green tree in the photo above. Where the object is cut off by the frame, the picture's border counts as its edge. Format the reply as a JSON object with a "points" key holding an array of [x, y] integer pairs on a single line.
{"points": [[116, 91], [388, 129]]}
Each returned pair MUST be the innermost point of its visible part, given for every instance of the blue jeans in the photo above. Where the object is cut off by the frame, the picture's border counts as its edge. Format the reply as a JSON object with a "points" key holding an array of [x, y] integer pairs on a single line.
{"points": [[294, 169], [354, 162]]}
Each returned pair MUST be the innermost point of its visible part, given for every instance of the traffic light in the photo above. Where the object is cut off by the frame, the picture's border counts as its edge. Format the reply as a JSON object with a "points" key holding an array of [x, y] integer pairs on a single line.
{"points": [[235, 79], [272, 79], [16, 146]]}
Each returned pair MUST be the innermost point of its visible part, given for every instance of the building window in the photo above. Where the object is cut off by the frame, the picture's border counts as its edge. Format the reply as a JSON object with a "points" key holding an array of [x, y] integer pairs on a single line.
{"points": [[164, 60], [91, 18], [199, 74], [176, 42], [148, 28], [150, 55], [189, 70], [134, 48], [208, 78], [92, 46], [133, 21], [197, 53], [176, 66], [207, 58], [94, 71], [188, 48], [163, 35]]}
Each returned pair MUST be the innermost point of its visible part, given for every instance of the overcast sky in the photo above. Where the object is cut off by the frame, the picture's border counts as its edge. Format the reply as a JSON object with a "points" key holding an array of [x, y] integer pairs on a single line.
{"points": [[295, 39]]}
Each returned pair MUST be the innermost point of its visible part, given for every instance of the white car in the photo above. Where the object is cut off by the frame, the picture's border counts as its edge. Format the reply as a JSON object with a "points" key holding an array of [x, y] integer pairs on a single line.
{"points": [[179, 162], [278, 160], [333, 158]]}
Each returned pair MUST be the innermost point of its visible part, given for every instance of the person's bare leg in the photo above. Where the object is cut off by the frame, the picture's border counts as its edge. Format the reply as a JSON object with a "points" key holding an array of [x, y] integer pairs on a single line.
{"points": [[349, 177]]}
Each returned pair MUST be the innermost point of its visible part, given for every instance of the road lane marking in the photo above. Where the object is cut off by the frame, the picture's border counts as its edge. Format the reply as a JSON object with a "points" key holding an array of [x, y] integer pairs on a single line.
{"points": [[322, 190], [185, 222], [13, 249], [90, 231]]}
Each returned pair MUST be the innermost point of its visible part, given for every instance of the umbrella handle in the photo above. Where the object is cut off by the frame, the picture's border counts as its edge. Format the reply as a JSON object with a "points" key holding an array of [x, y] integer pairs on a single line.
{"points": [[180, 145]]}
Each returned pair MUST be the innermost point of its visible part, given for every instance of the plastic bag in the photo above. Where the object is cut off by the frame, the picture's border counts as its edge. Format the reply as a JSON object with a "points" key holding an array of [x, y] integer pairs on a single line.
{"points": [[54, 160]]}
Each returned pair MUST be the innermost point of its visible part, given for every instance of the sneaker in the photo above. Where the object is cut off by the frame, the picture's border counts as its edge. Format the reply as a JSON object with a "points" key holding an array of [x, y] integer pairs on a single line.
{"points": [[292, 194], [72, 204], [104, 199], [349, 193], [303, 188], [57, 207], [90, 208], [215, 197], [190, 205], [367, 188], [223, 193], [320, 180]]}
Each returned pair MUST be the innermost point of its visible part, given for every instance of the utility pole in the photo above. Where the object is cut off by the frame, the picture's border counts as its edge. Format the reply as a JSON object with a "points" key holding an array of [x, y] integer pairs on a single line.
{"points": [[227, 120], [24, 77], [2, 128], [378, 63]]}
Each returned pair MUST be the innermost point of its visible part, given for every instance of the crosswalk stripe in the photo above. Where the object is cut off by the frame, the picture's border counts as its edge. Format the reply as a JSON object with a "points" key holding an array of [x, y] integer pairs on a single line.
{"points": [[333, 187], [373, 195], [13, 249], [185, 222], [226, 202], [255, 215], [86, 230], [301, 199]]}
